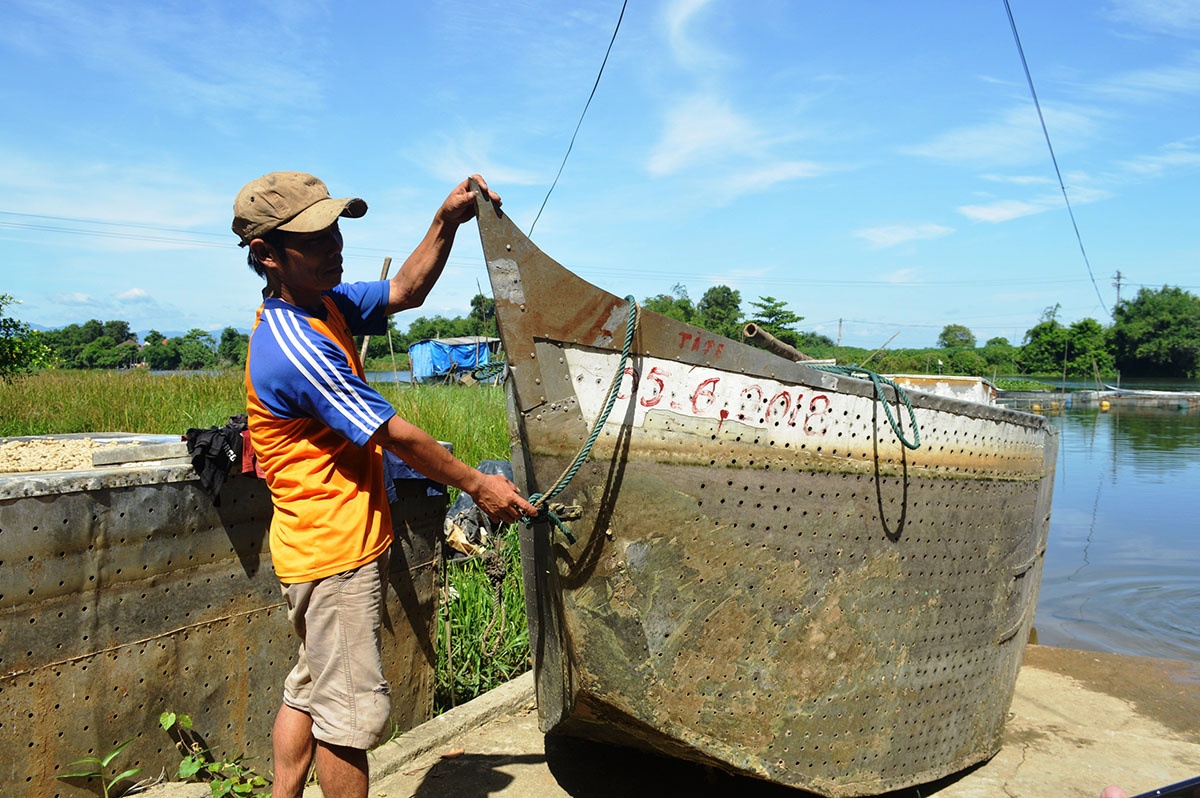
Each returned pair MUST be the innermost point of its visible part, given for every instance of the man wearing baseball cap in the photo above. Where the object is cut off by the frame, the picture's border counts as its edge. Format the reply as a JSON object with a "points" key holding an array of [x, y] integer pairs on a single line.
{"points": [[319, 432]]}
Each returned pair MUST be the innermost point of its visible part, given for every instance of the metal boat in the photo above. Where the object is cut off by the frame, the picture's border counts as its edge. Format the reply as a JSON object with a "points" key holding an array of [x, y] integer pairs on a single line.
{"points": [[751, 566]]}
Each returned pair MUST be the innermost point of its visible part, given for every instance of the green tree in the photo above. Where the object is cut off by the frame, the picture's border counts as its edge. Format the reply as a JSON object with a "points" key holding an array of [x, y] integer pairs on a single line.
{"points": [[955, 336], [197, 350], [1089, 351], [90, 330], [379, 346], [68, 342], [720, 311], [21, 348], [773, 315], [965, 360], [426, 327], [483, 316], [1044, 348], [118, 331], [812, 340], [1157, 333], [232, 348], [75, 345], [105, 353], [675, 305], [159, 352], [1000, 355]]}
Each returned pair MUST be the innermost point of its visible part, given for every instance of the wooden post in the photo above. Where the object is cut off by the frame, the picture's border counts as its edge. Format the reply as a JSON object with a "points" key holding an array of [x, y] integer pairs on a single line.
{"points": [[387, 264]]}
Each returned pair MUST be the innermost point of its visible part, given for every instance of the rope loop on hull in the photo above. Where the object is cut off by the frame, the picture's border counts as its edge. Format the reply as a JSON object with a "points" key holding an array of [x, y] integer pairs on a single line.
{"points": [[901, 396], [542, 500]]}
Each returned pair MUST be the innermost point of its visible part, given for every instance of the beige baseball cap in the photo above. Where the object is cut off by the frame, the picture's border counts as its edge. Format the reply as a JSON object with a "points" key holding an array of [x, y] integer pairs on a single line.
{"points": [[294, 202]]}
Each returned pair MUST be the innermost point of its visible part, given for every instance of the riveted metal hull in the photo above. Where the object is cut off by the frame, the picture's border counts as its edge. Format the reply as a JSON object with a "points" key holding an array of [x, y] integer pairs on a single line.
{"points": [[764, 578]]}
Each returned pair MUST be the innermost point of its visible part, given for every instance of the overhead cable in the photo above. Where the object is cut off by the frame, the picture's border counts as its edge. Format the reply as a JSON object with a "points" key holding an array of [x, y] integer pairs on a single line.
{"points": [[1045, 132], [581, 116]]}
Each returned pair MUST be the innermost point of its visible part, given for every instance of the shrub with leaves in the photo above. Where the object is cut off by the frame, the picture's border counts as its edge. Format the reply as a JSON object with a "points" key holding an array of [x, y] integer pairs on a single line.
{"points": [[224, 776]]}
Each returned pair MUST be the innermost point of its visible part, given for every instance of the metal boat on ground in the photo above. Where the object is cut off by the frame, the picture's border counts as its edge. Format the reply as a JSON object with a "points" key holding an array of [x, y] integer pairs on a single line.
{"points": [[759, 572]]}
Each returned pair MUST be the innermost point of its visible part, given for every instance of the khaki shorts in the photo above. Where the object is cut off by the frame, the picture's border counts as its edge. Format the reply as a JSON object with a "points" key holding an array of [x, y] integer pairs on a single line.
{"points": [[338, 679]]}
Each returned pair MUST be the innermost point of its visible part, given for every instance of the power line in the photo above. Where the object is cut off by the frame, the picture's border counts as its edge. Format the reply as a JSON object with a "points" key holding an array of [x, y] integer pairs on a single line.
{"points": [[580, 122], [104, 222], [96, 228], [111, 234], [1045, 132]]}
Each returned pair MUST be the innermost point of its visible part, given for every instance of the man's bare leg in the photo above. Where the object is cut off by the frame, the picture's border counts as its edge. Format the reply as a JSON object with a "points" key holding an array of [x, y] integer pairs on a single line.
{"points": [[292, 742], [342, 772]]}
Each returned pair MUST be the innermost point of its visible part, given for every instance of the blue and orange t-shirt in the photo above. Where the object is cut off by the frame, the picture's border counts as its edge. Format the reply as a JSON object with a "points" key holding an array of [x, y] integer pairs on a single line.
{"points": [[311, 415]]}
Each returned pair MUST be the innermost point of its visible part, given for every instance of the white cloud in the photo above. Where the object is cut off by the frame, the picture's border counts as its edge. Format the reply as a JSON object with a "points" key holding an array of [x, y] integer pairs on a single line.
{"points": [[902, 276], [195, 63], [134, 295], [1172, 17], [1012, 138], [700, 130], [1150, 85], [894, 234], [112, 207], [75, 298], [452, 159], [1008, 209], [686, 50], [1000, 211], [761, 178], [724, 151], [1019, 180], [1175, 155]]}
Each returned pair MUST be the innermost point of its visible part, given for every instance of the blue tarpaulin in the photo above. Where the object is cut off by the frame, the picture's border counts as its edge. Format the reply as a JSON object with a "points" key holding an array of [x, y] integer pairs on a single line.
{"points": [[438, 358]]}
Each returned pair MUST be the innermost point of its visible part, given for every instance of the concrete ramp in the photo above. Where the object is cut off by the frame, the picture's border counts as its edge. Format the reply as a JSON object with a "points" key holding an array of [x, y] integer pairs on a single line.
{"points": [[1079, 721]]}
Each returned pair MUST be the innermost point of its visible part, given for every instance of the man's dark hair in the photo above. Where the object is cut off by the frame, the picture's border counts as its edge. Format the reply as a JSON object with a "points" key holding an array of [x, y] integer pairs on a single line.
{"points": [[275, 239]]}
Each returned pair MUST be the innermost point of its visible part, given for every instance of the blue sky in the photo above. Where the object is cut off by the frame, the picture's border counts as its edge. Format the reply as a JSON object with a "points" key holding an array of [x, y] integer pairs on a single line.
{"points": [[878, 166]]}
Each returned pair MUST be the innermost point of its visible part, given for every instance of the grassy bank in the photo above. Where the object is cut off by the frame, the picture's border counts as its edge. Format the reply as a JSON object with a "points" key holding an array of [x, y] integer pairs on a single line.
{"points": [[118, 401], [51, 402], [475, 654]]}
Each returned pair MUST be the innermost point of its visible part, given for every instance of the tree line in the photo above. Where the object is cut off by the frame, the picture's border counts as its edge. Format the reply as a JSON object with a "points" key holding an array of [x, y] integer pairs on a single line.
{"points": [[96, 344], [1156, 333], [112, 345]]}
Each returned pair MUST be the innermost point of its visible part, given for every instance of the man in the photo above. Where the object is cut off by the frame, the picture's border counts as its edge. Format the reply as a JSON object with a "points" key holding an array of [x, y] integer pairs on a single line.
{"points": [[319, 432]]}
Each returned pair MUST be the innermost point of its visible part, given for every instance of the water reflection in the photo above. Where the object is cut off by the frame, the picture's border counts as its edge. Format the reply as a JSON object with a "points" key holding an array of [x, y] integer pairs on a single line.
{"points": [[1122, 565], [389, 376]]}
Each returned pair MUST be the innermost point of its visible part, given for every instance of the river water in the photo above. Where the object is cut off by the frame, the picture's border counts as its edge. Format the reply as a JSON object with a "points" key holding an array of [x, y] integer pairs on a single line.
{"points": [[1122, 570]]}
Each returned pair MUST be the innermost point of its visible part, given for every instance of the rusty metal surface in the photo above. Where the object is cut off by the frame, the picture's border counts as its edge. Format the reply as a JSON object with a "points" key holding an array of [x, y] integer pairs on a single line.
{"points": [[764, 578], [125, 593]]}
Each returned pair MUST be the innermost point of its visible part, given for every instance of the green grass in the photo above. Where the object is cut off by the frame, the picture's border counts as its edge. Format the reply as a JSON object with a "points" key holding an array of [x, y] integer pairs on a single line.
{"points": [[480, 646], [471, 418], [468, 665], [1022, 384], [60, 401]]}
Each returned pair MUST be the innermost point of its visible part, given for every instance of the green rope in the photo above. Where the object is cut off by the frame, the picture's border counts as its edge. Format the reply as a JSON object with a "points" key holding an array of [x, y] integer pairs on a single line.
{"points": [[541, 500], [489, 371], [901, 395]]}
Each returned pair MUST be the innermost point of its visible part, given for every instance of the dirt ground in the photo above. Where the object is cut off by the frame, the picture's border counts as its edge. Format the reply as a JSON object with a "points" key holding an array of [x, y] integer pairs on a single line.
{"points": [[47, 454]]}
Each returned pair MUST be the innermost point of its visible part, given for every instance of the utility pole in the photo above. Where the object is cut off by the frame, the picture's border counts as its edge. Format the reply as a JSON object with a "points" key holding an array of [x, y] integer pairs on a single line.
{"points": [[839, 332], [1117, 284]]}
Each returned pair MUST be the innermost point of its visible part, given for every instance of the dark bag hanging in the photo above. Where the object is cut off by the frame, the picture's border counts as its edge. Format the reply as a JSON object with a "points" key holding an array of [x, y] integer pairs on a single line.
{"points": [[215, 452]]}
